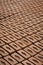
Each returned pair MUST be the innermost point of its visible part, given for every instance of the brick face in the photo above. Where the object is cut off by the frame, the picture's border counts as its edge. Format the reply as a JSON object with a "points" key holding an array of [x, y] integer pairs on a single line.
{"points": [[21, 32]]}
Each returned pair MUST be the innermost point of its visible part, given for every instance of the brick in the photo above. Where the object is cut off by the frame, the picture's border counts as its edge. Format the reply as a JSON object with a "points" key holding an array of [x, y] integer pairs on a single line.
{"points": [[17, 57], [10, 60], [24, 54]]}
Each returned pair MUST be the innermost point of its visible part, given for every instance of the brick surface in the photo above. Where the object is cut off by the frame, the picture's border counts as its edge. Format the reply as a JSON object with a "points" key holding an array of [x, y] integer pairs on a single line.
{"points": [[21, 32]]}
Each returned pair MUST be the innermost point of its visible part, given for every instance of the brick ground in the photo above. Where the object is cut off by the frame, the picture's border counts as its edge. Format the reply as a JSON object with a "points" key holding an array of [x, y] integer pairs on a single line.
{"points": [[21, 32]]}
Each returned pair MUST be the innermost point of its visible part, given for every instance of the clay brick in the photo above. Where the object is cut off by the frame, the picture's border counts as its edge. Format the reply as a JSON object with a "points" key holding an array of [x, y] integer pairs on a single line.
{"points": [[15, 46], [10, 60], [24, 54], [17, 57], [8, 48], [26, 62]]}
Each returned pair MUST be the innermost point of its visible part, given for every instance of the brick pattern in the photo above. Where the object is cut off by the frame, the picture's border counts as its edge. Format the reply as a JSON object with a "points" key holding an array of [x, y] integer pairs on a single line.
{"points": [[21, 32]]}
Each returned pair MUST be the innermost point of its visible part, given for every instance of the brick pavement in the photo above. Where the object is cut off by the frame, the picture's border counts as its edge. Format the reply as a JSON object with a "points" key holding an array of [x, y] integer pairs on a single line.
{"points": [[21, 32]]}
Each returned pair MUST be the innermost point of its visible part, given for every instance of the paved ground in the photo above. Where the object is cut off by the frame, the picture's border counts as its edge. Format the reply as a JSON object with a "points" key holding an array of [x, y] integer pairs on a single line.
{"points": [[21, 32]]}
